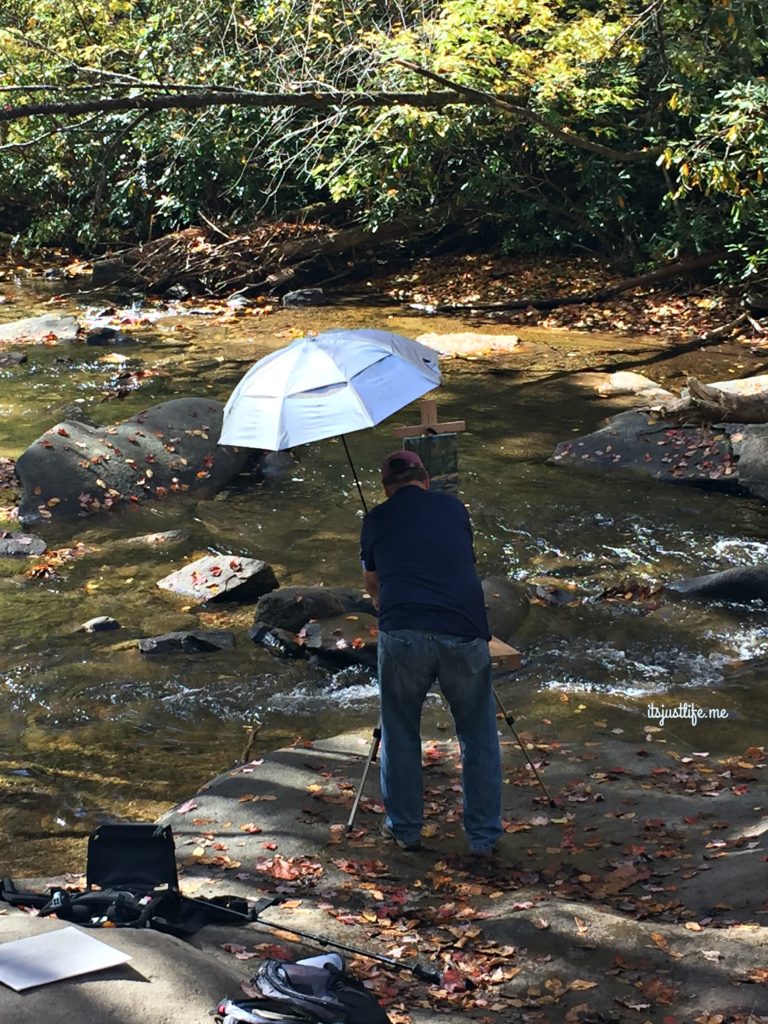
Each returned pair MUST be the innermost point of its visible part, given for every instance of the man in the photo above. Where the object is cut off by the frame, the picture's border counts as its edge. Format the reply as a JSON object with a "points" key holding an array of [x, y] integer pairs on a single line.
{"points": [[419, 568]]}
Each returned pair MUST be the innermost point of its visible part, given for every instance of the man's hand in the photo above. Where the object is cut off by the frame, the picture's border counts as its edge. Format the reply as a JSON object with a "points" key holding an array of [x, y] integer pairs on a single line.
{"points": [[371, 584]]}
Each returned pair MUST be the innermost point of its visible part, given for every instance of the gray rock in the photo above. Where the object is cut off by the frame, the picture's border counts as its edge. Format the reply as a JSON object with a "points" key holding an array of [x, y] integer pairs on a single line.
{"points": [[506, 604], [99, 624], [21, 545], [280, 642], [12, 359], [304, 297], [221, 577], [292, 607], [192, 641], [75, 469], [353, 600], [740, 585], [158, 540], [276, 465], [107, 336], [48, 327], [637, 442], [343, 640]]}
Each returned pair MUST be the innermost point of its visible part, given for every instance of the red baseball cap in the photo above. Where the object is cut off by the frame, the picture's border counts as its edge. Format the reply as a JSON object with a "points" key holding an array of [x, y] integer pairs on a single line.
{"points": [[399, 464]]}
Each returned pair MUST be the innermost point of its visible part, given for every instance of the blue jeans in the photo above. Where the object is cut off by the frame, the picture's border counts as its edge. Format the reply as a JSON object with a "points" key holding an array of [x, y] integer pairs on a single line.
{"points": [[409, 663]]}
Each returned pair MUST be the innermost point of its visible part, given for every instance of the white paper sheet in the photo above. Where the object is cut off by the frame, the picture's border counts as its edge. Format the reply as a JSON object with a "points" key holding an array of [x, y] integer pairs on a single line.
{"points": [[63, 953]]}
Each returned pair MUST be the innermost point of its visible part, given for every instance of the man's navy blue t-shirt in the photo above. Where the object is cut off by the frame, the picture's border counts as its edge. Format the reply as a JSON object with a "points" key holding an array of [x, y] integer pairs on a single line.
{"points": [[419, 542]]}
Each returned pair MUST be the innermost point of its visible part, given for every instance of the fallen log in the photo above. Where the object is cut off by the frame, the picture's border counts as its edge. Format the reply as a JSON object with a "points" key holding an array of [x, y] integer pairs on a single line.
{"points": [[706, 404]]}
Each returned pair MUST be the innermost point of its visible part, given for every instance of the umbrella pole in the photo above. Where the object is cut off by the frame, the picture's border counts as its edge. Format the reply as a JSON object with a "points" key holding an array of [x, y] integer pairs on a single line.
{"points": [[354, 474]]}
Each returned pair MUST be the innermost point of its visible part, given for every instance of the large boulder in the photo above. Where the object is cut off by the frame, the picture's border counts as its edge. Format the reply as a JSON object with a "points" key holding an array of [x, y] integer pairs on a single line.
{"points": [[706, 455], [75, 469]]}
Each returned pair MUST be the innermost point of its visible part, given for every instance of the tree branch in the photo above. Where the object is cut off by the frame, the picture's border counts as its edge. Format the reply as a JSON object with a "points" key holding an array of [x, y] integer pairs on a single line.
{"points": [[219, 98], [480, 97]]}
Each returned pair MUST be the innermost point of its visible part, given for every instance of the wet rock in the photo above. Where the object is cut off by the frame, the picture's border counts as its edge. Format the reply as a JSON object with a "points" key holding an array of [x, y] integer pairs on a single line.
{"points": [[292, 607], [12, 359], [506, 604], [304, 297], [48, 327], [221, 577], [21, 545], [276, 465], [99, 624], [740, 585], [157, 540], [353, 600], [191, 641], [75, 412], [638, 442], [280, 642], [107, 336], [75, 469], [343, 640]]}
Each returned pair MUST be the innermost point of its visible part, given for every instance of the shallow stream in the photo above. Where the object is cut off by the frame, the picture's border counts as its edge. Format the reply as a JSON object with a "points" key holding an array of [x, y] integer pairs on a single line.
{"points": [[92, 730]]}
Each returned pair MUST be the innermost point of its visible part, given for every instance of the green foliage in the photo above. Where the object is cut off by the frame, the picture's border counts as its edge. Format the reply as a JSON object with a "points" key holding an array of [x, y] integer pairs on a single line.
{"points": [[679, 86]]}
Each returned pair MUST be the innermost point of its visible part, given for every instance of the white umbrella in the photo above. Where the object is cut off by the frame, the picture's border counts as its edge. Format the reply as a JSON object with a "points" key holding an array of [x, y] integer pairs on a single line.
{"points": [[324, 385]]}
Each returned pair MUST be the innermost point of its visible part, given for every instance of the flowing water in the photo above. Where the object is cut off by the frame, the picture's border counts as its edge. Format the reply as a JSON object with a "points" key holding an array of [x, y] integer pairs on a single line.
{"points": [[92, 730]]}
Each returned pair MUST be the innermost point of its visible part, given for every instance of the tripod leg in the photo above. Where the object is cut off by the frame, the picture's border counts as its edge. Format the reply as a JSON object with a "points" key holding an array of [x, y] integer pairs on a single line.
{"points": [[511, 723], [369, 761]]}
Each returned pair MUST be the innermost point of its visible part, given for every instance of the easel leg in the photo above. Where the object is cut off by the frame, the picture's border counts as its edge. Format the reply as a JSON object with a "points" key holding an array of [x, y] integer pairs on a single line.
{"points": [[372, 753]]}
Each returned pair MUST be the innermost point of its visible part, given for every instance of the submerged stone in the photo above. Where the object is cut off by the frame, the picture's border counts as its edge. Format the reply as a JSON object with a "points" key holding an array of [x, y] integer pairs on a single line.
{"points": [[193, 641]]}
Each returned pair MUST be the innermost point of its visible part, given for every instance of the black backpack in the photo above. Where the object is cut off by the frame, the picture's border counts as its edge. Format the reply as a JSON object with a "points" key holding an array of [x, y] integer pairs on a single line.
{"points": [[321, 995]]}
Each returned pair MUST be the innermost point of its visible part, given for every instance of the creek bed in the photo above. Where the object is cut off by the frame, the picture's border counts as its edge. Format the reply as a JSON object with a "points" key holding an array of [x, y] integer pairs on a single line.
{"points": [[91, 730]]}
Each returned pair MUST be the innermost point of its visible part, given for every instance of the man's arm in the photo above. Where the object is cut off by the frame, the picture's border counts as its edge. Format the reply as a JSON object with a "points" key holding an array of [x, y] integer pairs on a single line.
{"points": [[371, 584]]}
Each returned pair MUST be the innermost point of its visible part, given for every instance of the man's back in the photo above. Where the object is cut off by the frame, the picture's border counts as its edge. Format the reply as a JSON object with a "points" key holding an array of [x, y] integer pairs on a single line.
{"points": [[419, 542]]}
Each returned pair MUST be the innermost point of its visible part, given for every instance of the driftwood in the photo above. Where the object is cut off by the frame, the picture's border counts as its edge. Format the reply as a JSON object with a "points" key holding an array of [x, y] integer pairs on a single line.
{"points": [[707, 404], [271, 256]]}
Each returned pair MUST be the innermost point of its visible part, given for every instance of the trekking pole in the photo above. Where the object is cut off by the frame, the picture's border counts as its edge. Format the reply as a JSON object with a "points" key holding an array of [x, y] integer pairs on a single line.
{"points": [[252, 911], [375, 742], [511, 723]]}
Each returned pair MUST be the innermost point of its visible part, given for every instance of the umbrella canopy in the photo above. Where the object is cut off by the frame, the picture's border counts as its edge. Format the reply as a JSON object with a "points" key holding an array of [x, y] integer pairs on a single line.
{"points": [[324, 385]]}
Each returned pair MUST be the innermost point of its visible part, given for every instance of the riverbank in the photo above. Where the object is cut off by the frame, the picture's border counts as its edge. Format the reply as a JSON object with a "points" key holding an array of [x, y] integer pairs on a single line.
{"points": [[640, 897]]}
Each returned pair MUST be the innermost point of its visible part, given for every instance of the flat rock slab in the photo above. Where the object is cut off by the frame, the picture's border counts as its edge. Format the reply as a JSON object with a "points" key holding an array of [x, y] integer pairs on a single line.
{"points": [[190, 641], [167, 981], [470, 343], [569, 893], [48, 328], [21, 545], [221, 577]]}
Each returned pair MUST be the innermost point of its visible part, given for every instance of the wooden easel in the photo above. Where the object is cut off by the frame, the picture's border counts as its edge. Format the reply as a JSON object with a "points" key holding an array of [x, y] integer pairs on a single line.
{"points": [[430, 423]]}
